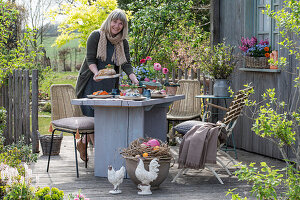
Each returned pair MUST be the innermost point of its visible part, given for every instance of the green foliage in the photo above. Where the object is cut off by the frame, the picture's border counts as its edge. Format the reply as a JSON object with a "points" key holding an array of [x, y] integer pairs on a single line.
{"points": [[22, 151], [152, 23], [269, 183], [16, 53], [82, 16], [49, 194], [2, 119], [20, 191], [270, 123], [264, 180], [234, 196], [219, 61]]}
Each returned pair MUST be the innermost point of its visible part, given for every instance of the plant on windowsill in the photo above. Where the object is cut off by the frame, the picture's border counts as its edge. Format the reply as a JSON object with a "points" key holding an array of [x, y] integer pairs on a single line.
{"points": [[256, 54]]}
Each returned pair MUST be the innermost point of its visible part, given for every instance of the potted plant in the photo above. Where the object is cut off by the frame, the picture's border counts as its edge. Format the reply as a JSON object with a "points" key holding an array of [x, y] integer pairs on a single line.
{"points": [[171, 88], [219, 63], [256, 54]]}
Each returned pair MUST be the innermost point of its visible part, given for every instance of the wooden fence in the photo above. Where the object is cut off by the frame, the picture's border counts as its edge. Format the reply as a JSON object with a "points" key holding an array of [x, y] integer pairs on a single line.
{"points": [[179, 74], [16, 98]]}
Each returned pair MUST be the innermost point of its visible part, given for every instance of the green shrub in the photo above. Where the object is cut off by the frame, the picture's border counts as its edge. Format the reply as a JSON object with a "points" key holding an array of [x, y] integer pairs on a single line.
{"points": [[47, 107], [20, 191], [47, 194]]}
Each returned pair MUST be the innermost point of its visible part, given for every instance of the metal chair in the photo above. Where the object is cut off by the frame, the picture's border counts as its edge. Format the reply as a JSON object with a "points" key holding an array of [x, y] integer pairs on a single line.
{"points": [[229, 122], [67, 117], [188, 108]]}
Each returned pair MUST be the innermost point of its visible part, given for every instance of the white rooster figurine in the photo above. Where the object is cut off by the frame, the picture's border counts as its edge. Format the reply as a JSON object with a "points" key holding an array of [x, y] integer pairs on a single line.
{"points": [[146, 177], [115, 178]]}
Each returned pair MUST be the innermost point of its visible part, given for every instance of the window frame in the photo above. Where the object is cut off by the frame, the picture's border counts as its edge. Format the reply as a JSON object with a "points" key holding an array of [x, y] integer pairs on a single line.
{"points": [[273, 31]]}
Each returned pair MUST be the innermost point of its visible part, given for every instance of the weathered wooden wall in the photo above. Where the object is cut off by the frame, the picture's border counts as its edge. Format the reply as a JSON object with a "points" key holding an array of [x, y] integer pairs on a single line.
{"points": [[16, 98], [236, 21]]}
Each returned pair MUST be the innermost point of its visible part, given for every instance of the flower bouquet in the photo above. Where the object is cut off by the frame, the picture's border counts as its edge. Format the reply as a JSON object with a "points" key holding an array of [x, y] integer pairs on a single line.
{"points": [[150, 74], [256, 54]]}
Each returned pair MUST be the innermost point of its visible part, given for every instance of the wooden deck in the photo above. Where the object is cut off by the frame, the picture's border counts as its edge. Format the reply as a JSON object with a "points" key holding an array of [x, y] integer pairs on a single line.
{"points": [[193, 185]]}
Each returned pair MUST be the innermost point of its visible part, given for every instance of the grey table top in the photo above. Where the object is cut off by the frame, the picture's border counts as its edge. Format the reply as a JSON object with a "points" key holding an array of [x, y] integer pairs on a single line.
{"points": [[115, 102], [212, 97]]}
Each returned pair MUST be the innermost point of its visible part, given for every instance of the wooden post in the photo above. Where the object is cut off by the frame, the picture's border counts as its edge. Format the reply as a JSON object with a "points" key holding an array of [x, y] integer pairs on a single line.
{"points": [[192, 74], [34, 115], [214, 22], [20, 106], [15, 103], [186, 75], [179, 74], [9, 124], [173, 75], [27, 107]]}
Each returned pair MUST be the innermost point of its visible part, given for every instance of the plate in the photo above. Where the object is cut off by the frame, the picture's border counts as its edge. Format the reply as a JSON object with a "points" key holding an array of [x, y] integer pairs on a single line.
{"points": [[158, 95], [132, 98], [108, 76], [100, 96]]}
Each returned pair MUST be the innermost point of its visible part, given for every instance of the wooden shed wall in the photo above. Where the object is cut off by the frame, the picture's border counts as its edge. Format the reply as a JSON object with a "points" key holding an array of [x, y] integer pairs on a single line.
{"points": [[236, 21]]}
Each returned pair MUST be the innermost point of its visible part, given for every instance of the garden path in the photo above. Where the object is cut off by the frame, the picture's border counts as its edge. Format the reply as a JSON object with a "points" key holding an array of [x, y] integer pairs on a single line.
{"points": [[193, 185]]}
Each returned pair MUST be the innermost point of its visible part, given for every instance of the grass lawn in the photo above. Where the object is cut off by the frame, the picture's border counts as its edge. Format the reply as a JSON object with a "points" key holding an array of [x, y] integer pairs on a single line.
{"points": [[53, 52]]}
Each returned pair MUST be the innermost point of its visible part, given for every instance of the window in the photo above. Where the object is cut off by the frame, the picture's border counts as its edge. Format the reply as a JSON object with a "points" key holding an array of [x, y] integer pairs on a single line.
{"points": [[265, 26]]}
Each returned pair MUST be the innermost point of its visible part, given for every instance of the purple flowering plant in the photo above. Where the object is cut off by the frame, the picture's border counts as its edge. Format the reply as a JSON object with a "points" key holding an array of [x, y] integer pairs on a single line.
{"points": [[252, 48]]}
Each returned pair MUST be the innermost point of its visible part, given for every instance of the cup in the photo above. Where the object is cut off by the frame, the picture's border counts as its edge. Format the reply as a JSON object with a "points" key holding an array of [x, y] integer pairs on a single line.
{"points": [[147, 94]]}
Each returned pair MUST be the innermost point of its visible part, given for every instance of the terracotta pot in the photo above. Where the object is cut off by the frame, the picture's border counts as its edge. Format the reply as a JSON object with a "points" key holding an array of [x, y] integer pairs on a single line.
{"points": [[131, 164], [171, 90]]}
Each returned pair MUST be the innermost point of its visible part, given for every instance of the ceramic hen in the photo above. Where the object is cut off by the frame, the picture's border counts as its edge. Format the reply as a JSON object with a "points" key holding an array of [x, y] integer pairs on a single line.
{"points": [[146, 177], [115, 178]]}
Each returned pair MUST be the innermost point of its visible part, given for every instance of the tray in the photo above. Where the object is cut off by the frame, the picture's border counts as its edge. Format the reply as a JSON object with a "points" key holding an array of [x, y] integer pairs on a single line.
{"points": [[132, 98], [108, 76], [99, 96], [158, 95]]}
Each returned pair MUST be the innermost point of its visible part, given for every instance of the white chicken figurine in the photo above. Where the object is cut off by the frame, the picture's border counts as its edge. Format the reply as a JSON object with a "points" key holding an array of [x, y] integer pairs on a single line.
{"points": [[115, 178], [146, 177]]}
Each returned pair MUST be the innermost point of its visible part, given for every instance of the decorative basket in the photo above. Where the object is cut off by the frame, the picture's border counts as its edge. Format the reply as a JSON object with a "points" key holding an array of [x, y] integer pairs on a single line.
{"points": [[257, 62], [46, 142]]}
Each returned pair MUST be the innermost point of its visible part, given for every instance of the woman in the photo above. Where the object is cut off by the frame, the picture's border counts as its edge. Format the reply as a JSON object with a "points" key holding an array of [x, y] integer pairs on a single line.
{"points": [[108, 45]]}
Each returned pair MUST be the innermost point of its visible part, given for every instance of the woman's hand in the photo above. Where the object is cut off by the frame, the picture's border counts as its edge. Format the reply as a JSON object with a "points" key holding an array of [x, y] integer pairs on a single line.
{"points": [[133, 79], [94, 69]]}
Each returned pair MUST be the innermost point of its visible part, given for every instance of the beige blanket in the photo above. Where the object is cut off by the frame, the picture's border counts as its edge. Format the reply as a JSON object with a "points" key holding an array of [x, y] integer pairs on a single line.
{"points": [[199, 146]]}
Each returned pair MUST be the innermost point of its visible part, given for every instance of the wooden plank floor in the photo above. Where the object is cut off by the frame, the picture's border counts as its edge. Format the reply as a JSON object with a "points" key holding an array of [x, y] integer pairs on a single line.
{"points": [[193, 185]]}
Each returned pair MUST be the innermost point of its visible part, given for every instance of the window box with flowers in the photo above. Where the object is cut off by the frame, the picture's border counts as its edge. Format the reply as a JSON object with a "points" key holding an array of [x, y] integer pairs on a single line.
{"points": [[256, 54]]}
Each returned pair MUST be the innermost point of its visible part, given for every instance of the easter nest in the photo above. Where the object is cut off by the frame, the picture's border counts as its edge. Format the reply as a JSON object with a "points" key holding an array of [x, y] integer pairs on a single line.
{"points": [[137, 148]]}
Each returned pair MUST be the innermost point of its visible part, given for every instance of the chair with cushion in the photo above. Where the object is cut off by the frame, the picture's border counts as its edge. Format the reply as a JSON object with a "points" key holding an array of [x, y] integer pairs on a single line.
{"points": [[226, 125], [188, 108], [68, 118]]}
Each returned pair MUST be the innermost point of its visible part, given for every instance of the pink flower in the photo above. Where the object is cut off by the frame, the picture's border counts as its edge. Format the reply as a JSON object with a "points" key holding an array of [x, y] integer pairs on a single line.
{"points": [[157, 66], [148, 58], [76, 198], [147, 79], [154, 81], [165, 70], [142, 61]]}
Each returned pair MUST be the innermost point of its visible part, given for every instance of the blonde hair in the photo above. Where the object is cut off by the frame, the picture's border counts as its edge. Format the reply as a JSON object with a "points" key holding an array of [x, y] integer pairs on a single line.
{"points": [[116, 14]]}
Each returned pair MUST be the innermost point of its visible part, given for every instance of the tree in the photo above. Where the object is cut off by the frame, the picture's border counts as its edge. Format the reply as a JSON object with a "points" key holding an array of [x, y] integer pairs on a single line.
{"points": [[83, 17]]}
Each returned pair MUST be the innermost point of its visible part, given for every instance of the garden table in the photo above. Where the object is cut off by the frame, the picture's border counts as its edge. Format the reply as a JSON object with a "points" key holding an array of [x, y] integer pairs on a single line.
{"points": [[118, 122]]}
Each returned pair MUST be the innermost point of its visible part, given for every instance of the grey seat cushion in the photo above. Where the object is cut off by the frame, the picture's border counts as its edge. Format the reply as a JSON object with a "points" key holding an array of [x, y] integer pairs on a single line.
{"points": [[184, 127], [80, 123]]}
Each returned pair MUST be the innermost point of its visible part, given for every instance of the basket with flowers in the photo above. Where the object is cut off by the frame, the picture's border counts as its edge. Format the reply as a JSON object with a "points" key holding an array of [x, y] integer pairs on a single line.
{"points": [[256, 54]]}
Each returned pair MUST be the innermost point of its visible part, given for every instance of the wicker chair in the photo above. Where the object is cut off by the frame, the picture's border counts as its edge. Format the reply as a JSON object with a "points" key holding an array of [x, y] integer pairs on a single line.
{"points": [[68, 118], [185, 109], [229, 122]]}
